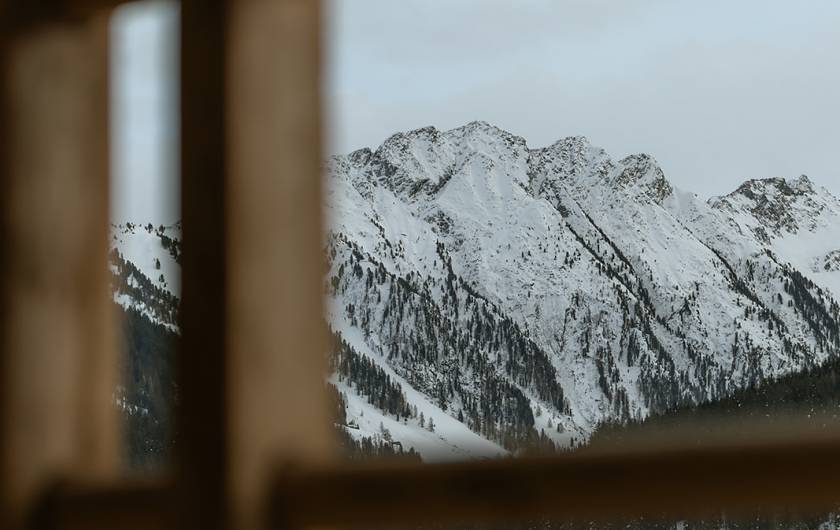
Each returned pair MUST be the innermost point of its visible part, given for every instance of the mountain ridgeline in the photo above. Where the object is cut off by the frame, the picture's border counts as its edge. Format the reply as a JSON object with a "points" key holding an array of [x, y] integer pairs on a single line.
{"points": [[486, 297]]}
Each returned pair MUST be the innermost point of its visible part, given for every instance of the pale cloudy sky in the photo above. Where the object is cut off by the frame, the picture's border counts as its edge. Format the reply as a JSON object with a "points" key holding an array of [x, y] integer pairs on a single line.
{"points": [[718, 91], [144, 113]]}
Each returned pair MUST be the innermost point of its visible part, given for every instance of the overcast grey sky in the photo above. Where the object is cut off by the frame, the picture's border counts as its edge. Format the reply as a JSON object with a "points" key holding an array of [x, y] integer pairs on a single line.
{"points": [[144, 113], [718, 91]]}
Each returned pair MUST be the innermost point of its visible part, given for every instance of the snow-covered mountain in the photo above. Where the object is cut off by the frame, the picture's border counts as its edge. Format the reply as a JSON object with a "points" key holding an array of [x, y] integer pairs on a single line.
{"points": [[487, 297], [528, 294]]}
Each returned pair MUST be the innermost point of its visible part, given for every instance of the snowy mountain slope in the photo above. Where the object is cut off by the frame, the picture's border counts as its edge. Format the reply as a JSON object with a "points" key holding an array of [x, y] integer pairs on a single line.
{"points": [[155, 251], [448, 440], [630, 295], [146, 273]]}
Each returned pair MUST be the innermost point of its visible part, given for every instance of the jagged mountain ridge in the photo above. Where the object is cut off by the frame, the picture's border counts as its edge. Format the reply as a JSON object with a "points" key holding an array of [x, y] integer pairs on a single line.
{"points": [[638, 295]]}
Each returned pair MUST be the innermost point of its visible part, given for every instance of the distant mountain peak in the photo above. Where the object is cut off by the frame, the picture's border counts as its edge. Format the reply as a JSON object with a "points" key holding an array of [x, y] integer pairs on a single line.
{"points": [[778, 206], [768, 187], [643, 171], [572, 141], [486, 131], [802, 184]]}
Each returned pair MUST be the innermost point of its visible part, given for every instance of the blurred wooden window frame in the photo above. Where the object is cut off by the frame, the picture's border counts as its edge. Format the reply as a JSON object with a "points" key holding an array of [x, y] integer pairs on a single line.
{"points": [[252, 322]]}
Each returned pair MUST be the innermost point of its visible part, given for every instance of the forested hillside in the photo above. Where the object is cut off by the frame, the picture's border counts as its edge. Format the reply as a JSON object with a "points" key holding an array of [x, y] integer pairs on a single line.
{"points": [[808, 399]]}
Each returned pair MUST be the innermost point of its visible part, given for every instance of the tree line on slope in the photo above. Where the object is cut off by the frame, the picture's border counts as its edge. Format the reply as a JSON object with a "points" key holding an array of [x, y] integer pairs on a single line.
{"points": [[811, 396], [810, 399], [449, 343]]}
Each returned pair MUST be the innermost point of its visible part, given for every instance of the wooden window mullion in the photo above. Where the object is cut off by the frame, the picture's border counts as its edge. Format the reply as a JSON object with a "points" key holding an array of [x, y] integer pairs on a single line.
{"points": [[58, 361], [277, 343], [254, 338], [201, 463]]}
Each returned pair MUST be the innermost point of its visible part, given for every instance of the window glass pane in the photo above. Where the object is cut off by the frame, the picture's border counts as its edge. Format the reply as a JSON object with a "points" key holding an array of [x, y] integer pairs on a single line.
{"points": [[146, 231], [553, 224]]}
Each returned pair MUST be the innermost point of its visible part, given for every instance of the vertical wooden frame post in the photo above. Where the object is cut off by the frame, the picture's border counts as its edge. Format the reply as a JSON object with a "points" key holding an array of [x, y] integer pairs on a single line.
{"points": [[277, 333], [254, 343], [201, 458], [58, 361]]}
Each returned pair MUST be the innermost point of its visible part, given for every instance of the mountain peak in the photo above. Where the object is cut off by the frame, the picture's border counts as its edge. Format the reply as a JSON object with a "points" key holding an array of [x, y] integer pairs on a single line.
{"points": [[400, 140], [428, 132], [643, 171], [580, 142], [802, 184], [487, 132], [779, 205], [360, 157], [481, 125], [754, 189]]}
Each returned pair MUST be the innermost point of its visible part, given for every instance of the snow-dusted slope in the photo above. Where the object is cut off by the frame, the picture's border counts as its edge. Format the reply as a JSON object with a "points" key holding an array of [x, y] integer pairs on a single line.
{"points": [[532, 293], [146, 271], [153, 250], [449, 439]]}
